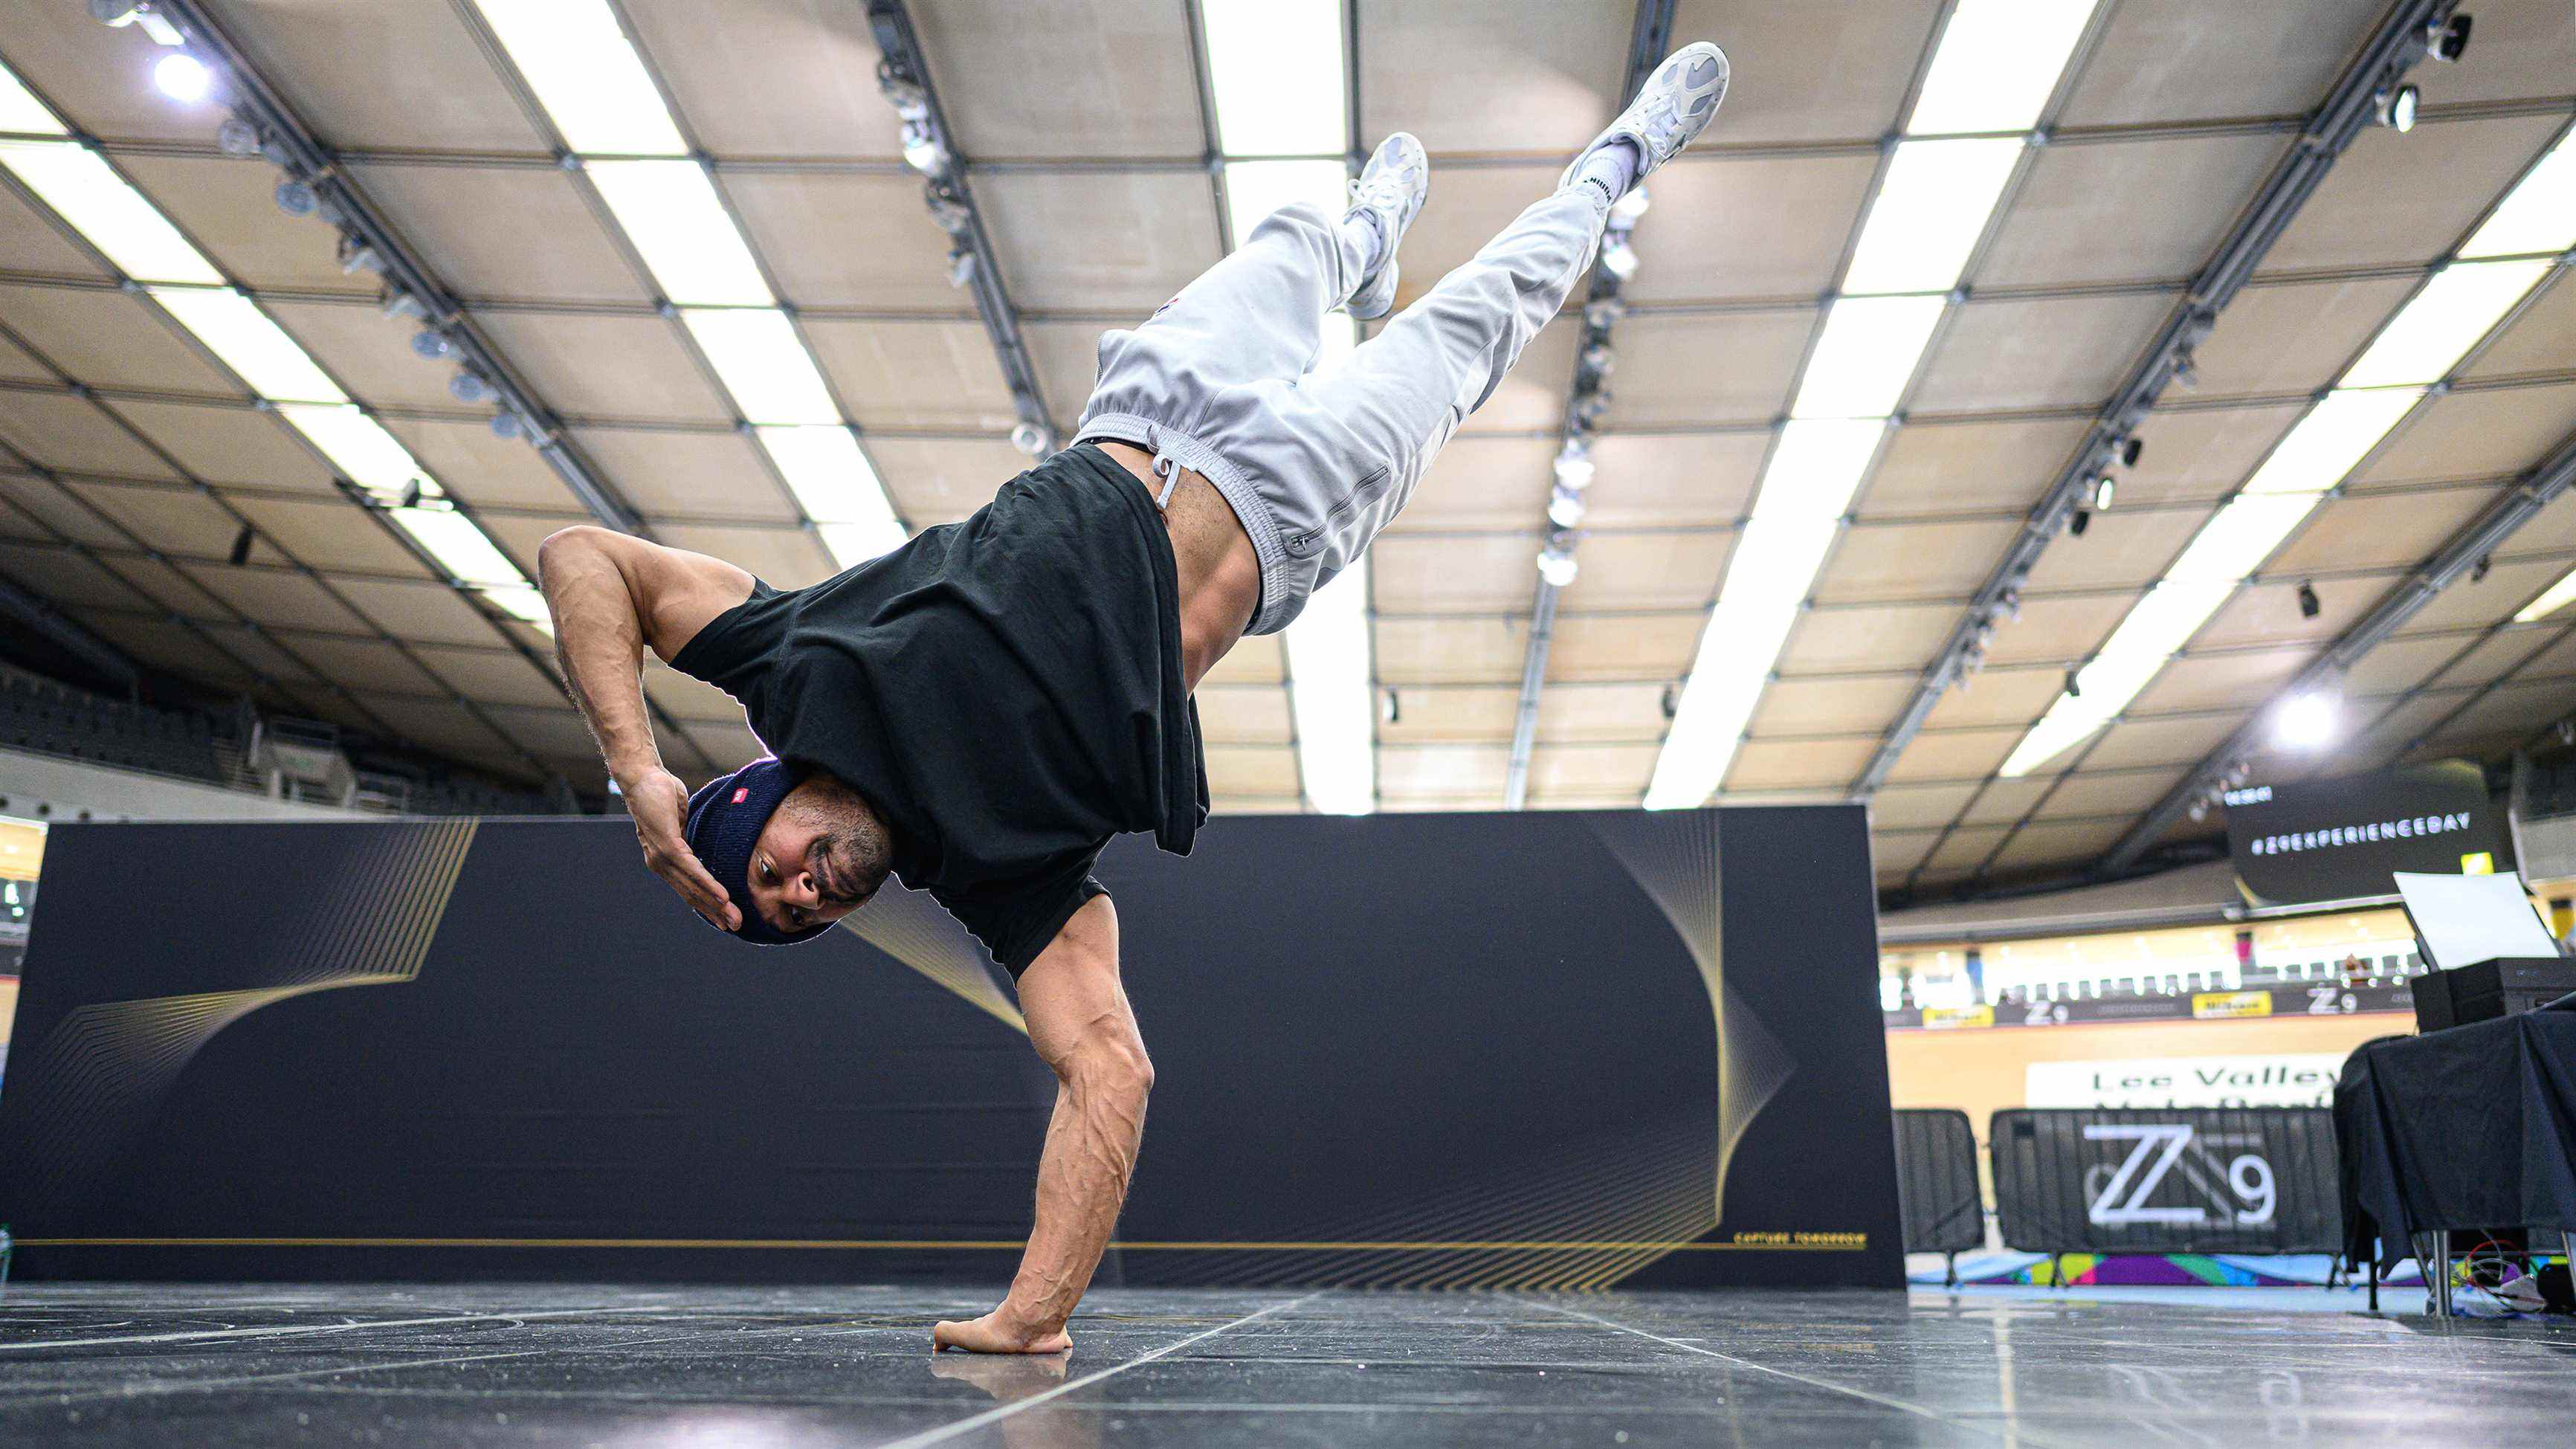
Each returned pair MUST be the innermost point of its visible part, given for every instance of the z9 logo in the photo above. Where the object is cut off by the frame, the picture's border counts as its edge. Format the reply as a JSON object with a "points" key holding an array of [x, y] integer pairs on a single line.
{"points": [[2247, 1199]]}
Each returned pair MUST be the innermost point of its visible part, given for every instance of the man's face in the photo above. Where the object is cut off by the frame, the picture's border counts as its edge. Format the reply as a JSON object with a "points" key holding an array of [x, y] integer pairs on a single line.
{"points": [[804, 873]]}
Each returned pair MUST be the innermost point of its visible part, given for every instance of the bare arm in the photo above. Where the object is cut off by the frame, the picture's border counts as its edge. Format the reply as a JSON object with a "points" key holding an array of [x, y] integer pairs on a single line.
{"points": [[610, 595], [1080, 1022]]}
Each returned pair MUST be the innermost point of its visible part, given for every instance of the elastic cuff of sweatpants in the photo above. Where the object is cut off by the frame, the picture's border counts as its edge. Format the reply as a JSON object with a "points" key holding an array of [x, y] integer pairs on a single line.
{"points": [[1165, 441]]}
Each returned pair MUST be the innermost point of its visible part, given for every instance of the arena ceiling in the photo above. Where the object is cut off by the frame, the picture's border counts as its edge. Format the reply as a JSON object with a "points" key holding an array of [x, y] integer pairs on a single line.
{"points": [[148, 491]]}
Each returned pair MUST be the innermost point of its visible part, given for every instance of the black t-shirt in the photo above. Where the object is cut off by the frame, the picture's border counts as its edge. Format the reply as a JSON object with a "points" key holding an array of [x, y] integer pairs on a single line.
{"points": [[1004, 692]]}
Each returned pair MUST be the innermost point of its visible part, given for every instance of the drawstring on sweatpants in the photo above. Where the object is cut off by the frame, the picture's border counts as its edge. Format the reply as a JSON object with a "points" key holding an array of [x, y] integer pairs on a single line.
{"points": [[1167, 466]]}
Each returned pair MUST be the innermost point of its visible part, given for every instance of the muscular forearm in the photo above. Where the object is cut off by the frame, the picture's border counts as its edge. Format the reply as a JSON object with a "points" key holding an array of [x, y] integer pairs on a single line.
{"points": [[1082, 1181], [599, 639]]}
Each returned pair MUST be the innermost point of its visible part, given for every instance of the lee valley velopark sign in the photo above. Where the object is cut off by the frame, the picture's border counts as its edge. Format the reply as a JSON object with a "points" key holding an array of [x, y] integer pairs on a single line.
{"points": [[2272, 1079], [2341, 839]]}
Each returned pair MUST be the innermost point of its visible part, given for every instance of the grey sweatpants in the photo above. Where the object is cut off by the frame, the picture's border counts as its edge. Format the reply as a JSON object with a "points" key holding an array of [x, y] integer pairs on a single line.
{"points": [[1315, 464]]}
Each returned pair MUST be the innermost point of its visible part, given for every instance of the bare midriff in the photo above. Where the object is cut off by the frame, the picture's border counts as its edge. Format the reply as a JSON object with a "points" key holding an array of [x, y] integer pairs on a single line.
{"points": [[1220, 574]]}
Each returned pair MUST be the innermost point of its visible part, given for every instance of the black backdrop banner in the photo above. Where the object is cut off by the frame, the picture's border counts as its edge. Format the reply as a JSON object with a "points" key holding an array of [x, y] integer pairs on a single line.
{"points": [[2168, 1180], [2339, 839], [1529, 1049]]}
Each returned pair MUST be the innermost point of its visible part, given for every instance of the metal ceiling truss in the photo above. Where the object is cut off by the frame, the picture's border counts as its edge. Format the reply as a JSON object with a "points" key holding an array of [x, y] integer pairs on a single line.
{"points": [[1587, 398], [2535, 490], [2401, 40], [929, 148]]}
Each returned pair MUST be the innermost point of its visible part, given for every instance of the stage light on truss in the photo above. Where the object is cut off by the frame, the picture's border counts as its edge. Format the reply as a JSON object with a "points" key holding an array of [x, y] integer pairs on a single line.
{"points": [[2537, 215], [2440, 323], [1330, 695], [1275, 69], [762, 363], [257, 350], [115, 218], [1865, 356], [1556, 562], [1565, 508], [182, 77], [670, 211], [1930, 210], [2556, 597], [1574, 466], [1619, 258], [833, 482], [2396, 109], [1997, 64], [586, 74]]}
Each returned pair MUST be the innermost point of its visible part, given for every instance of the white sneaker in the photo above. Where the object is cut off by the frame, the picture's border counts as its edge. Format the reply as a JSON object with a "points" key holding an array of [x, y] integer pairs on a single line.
{"points": [[1392, 185], [1676, 103]]}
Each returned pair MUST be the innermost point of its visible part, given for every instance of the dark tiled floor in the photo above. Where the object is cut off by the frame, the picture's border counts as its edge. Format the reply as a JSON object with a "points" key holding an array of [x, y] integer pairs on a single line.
{"points": [[786, 1368]]}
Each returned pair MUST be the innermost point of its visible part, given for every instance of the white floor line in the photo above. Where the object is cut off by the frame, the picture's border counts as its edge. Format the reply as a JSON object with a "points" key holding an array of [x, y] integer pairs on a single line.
{"points": [[1004, 1411], [2007, 1433], [292, 1330]]}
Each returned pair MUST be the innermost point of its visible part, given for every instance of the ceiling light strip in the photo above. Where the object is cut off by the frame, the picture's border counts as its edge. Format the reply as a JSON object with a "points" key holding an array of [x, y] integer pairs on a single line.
{"points": [[593, 83], [126, 227], [1279, 83], [1992, 71], [2417, 348]]}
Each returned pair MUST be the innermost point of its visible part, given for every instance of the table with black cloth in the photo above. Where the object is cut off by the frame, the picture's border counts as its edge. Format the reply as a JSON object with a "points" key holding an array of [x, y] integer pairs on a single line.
{"points": [[2472, 1127]]}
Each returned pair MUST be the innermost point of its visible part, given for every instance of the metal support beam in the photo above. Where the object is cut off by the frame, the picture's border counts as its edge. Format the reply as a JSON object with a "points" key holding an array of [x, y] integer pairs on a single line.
{"points": [[37, 617], [2534, 491], [931, 149], [2393, 49], [1649, 40], [369, 244]]}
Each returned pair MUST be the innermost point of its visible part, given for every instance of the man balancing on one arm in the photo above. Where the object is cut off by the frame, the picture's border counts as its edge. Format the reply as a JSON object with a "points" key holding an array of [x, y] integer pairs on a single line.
{"points": [[978, 711]]}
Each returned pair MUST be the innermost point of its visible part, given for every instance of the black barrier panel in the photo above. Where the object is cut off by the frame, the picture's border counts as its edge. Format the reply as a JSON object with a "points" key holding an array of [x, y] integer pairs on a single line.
{"points": [[1541, 1049], [2177, 1180], [1936, 1181]]}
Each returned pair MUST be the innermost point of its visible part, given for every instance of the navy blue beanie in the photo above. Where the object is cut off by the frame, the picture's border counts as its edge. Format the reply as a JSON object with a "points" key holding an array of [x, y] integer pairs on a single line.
{"points": [[725, 820]]}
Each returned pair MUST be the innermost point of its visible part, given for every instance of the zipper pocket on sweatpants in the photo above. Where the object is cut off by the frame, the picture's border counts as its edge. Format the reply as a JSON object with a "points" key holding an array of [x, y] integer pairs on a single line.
{"points": [[1303, 543]]}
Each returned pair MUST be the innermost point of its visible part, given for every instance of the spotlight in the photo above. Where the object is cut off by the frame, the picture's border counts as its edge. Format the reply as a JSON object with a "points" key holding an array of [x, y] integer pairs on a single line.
{"points": [[961, 267], [2200, 810], [1620, 259], [1565, 508], [2080, 522], [1393, 709], [1029, 438], [923, 153], [182, 77], [1602, 315], [2074, 685], [507, 425], [469, 387], [2396, 109], [2131, 450], [2305, 720], [2102, 494], [1625, 211], [1672, 701], [1589, 407], [1573, 468], [357, 256], [241, 546], [397, 303], [1556, 565], [297, 199], [2308, 604], [1598, 360], [2447, 41], [429, 343], [237, 137], [2479, 570]]}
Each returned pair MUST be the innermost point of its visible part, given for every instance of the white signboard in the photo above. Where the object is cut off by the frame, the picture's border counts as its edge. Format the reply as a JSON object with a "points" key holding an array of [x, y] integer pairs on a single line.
{"points": [[2277, 1079]]}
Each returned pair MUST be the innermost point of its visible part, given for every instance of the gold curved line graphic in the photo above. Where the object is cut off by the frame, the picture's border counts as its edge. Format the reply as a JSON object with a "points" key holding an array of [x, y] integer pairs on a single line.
{"points": [[919, 932]]}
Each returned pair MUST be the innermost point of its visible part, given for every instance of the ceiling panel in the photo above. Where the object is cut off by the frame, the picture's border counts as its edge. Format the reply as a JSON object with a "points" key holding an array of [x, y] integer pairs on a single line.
{"points": [[2475, 435], [1600, 713], [2448, 171], [331, 535], [1448, 651], [2292, 337], [1251, 770], [52, 512], [2169, 62], [1962, 852], [66, 433], [685, 698], [2502, 654], [1859, 638], [1532, 395], [2035, 353], [1929, 466], [2268, 613], [1255, 660], [933, 374], [384, 74], [32, 241], [1164, 222], [773, 77], [1950, 755], [366, 664], [2542, 339], [236, 445], [228, 206], [844, 240], [554, 734], [447, 212], [1745, 227], [2367, 529], [1593, 771], [782, 558], [1483, 482], [2507, 587], [494, 676], [484, 470], [2005, 802], [1999, 696], [941, 482], [2122, 548], [730, 744], [2039, 847], [2058, 630], [984, 52], [2129, 211], [1796, 764], [1459, 575], [1643, 570], [2235, 680], [428, 612], [1620, 646], [178, 520], [2176, 740], [1673, 480], [178, 648], [1895, 852], [1906, 808], [2399, 664], [1465, 208], [108, 339], [1728, 368], [67, 578], [1830, 704], [1513, 75], [368, 356], [2524, 48], [1443, 772], [2123, 793], [706, 475], [278, 598], [1447, 714], [2203, 453], [601, 366], [1254, 715], [99, 78], [1913, 561]]}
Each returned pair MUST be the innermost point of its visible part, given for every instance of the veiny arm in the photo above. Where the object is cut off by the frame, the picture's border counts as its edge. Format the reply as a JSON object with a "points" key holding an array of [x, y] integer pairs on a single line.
{"points": [[1080, 1022], [610, 595]]}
